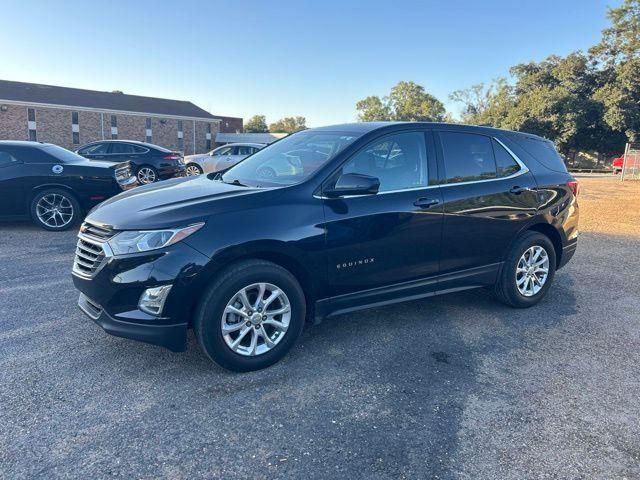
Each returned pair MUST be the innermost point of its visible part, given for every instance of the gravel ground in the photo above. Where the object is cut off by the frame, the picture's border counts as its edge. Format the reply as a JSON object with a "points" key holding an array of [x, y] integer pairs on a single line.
{"points": [[450, 387]]}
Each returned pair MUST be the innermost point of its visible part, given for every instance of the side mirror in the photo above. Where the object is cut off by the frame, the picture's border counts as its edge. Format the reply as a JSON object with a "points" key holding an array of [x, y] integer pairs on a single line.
{"points": [[353, 184]]}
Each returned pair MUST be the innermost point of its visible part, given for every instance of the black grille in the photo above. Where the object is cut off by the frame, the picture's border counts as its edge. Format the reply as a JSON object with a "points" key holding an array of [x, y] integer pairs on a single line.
{"points": [[90, 253]]}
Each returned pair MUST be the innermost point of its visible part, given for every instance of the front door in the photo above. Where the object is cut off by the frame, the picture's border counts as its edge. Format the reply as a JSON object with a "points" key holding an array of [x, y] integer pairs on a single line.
{"points": [[488, 198], [392, 236]]}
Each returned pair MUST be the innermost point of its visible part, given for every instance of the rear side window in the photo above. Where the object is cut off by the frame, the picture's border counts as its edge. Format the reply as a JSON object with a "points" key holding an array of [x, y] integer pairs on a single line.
{"points": [[7, 159], [505, 163], [139, 149], [543, 151], [467, 157], [122, 148]]}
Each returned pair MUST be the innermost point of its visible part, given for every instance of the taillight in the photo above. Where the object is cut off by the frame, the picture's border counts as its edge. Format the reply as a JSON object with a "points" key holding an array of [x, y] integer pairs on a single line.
{"points": [[573, 185], [172, 157]]}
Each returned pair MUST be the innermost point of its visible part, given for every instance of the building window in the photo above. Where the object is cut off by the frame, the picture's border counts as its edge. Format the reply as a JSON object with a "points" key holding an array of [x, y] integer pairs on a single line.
{"points": [[208, 128], [114, 136], [149, 134], [181, 144], [180, 125], [114, 121], [148, 122], [31, 124], [75, 128], [208, 144]]}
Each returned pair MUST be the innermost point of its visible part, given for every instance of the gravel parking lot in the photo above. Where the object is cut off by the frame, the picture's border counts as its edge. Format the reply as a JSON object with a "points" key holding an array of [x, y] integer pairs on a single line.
{"points": [[457, 386]]}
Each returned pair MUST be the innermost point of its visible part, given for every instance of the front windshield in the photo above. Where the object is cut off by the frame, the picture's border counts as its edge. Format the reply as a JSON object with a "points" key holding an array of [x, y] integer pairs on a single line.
{"points": [[290, 160]]}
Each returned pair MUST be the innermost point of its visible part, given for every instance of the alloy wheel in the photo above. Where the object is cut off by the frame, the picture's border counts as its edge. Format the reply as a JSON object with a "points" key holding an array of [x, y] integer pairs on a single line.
{"points": [[193, 170], [532, 270], [54, 210], [147, 175], [256, 319]]}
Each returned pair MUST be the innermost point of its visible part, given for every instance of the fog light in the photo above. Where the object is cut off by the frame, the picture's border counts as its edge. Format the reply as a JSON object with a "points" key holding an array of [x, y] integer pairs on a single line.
{"points": [[152, 299]]}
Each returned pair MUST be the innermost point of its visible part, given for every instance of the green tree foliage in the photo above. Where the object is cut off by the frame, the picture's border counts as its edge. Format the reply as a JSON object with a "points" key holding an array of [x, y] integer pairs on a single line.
{"points": [[581, 102], [617, 57], [256, 124], [407, 101], [288, 125]]}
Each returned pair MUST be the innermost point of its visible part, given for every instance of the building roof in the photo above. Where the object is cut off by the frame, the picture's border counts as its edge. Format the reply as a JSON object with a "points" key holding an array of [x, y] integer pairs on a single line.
{"points": [[76, 97], [248, 137]]}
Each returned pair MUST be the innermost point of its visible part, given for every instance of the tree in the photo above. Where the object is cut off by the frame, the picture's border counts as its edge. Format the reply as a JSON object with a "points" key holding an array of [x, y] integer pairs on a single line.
{"points": [[407, 101], [256, 124], [618, 58], [484, 104], [288, 125], [373, 110]]}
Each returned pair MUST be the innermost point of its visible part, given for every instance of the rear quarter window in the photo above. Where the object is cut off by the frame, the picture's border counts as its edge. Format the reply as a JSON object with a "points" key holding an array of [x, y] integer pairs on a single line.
{"points": [[544, 152]]}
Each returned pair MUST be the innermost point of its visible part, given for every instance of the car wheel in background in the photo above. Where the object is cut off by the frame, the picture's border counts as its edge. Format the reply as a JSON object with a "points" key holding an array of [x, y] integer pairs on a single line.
{"points": [[147, 174], [250, 316], [55, 210], [266, 172], [527, 272], [193, 169]]}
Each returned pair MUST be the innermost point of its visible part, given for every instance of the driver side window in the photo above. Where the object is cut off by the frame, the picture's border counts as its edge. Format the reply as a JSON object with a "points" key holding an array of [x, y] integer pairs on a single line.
{"points": [[399, 161], [224, 151]]}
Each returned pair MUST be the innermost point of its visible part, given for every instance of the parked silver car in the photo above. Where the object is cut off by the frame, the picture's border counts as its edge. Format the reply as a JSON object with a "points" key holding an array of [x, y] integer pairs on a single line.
{"points": [[220, 158]]}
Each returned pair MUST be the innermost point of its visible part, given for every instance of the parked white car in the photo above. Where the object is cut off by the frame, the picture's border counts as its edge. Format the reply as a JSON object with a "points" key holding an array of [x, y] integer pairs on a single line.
{"points": [[221, 158]]}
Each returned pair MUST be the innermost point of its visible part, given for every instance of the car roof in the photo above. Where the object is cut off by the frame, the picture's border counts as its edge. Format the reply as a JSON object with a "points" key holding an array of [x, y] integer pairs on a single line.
{"points": [[23, 143], [367, 127], [243, 144]]}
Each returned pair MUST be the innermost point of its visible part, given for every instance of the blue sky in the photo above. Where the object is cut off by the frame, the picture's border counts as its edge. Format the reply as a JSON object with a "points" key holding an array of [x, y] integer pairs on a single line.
{"points": [[284, 58]]}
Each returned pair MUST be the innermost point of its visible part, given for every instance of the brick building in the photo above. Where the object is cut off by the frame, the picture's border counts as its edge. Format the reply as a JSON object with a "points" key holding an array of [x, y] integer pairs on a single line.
{"points": [[72, 117]]}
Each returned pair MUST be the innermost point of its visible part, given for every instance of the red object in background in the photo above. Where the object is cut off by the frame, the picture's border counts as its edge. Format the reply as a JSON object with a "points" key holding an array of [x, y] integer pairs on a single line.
{"points": [[617, 164]]}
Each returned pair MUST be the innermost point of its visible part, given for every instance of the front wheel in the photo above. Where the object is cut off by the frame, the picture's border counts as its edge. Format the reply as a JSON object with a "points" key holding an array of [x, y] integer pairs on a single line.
{"points": [[250, 316], [527, 272], [193, 169], [55, 210]]}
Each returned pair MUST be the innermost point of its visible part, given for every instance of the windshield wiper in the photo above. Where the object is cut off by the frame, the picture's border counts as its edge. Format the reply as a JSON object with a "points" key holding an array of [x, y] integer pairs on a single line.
{"points": [[235, 181]]}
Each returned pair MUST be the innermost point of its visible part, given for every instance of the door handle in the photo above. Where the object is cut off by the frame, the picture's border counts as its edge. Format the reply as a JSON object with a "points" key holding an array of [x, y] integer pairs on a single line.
{"points": [[426, 202], [519, 190]]}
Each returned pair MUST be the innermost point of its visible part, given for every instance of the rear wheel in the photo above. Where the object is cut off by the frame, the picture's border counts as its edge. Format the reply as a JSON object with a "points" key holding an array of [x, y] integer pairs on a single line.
{"points": [[55, 210], [250, 316], [527, 272], [147, 174]]}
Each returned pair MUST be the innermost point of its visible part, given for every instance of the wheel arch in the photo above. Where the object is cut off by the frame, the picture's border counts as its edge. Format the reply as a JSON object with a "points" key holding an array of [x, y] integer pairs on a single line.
{"points": [[51, 186], [279, 256], [552, 234]]}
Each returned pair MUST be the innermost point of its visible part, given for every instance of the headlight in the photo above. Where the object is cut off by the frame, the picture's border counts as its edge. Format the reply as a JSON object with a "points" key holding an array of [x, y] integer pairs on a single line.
{"points": [[145, 240]]}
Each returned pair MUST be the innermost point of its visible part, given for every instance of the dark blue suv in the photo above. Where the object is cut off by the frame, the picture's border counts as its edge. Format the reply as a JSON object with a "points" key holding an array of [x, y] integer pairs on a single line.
{"points": [[356, 216]]}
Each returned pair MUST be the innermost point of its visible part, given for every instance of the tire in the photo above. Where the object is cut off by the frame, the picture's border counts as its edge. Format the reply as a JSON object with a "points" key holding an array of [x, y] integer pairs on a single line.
{"points": [[147, 174], [211, 315], [507, 290], [193, 169], [67, 210]]}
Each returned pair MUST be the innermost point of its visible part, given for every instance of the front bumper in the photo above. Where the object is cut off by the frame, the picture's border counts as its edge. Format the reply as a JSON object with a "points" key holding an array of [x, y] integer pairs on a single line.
{"points": [[172, 336], [110, 294]]}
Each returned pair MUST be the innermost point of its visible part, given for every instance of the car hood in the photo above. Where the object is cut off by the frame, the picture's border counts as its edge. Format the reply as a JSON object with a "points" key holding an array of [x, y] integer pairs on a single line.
{"points": [[170, 203]]}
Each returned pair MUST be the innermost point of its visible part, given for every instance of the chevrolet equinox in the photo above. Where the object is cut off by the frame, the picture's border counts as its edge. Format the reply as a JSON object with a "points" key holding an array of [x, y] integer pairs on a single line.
{"points": [[356, 216]]}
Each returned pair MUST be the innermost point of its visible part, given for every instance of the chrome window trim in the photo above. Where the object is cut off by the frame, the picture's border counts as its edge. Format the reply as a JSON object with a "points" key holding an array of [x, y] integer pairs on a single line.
{"points": [[523, 169]]}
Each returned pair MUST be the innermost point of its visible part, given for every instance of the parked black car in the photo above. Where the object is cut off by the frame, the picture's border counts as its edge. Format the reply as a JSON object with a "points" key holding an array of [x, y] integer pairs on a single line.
{"points": [[149, 162], [53, 185], [358, 215]]}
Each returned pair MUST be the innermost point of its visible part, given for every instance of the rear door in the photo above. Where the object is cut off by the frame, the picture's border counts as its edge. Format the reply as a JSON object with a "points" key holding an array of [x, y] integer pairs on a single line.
{"points": [[489, 195], [392, 236]]}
